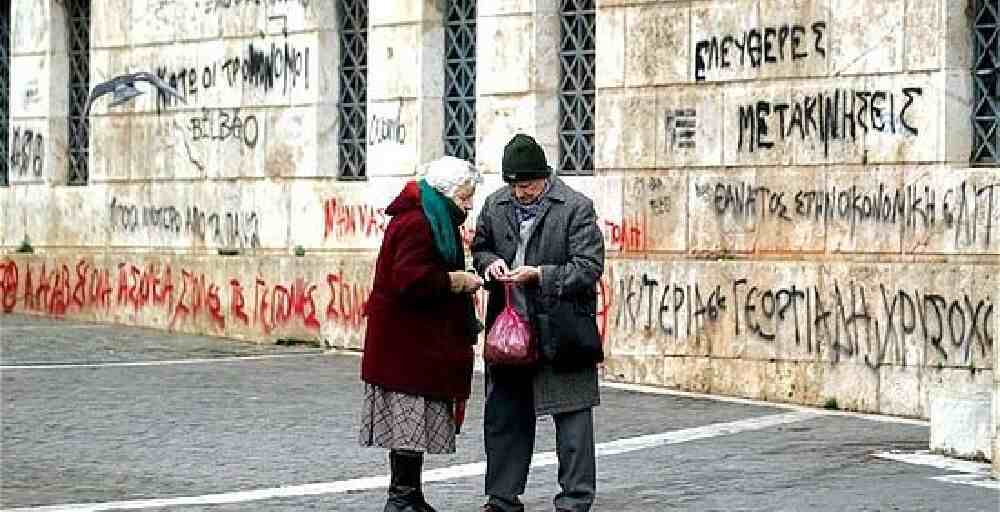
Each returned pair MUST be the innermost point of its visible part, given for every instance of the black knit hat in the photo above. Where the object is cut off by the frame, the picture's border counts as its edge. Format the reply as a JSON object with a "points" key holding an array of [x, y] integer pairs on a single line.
{"points": [[524, 159]]}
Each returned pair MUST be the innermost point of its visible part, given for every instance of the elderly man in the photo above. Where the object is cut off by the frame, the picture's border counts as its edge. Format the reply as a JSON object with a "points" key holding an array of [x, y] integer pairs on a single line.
{"points": [[543, 235]]}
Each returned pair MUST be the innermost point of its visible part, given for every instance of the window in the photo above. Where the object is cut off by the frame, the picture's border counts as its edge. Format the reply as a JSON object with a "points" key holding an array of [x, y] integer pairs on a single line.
{"points": [[985, 84], [353, 16], [460, 80], [78, 44], [4, 91], [576, 87]]}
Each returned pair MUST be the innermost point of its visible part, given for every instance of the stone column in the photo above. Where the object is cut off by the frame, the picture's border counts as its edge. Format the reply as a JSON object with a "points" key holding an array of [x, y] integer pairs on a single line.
{"points": [[405, 85], [996, 406], [517, 81]]}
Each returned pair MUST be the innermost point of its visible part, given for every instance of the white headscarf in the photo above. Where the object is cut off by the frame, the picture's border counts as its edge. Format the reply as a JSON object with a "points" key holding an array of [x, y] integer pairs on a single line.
{"points": [[447, 174]]}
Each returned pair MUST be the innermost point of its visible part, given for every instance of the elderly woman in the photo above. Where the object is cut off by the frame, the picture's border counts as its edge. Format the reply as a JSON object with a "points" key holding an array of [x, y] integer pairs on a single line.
{"points": [[418, 356]]}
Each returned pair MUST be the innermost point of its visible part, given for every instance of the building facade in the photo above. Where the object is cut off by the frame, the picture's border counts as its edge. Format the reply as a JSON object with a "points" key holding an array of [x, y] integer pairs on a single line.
{"points": [[800, 198]]}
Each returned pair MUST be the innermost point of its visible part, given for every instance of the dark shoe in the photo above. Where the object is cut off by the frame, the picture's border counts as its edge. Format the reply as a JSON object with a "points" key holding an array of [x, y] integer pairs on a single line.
{"points": [[405, 494], [489, 507]]}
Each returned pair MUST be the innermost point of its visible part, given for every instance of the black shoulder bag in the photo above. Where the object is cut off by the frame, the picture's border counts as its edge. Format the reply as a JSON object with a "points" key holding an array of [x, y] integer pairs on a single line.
{"points": [[567, 332]]}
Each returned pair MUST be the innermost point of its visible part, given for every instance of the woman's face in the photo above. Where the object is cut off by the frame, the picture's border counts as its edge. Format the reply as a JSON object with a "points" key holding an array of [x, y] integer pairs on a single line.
{"points": [[463, 197]]}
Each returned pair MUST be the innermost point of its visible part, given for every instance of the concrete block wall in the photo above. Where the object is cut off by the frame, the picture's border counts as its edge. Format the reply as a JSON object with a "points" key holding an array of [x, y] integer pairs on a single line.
{"points": [[783, 185]]}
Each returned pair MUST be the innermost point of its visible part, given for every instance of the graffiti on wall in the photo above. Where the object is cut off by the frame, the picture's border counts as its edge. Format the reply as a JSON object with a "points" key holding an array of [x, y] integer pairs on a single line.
{"points": [[965, 210], [759, 46], [210, 6], [839, 115], [278, 66], [226, 228], [869, 323], [221, 125], [182, 297], [27, 152], [344, 219]]}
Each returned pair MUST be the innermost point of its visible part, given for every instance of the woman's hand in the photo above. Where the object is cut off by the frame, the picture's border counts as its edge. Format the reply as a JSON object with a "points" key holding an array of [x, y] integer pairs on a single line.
{"points": [[464, 282]]}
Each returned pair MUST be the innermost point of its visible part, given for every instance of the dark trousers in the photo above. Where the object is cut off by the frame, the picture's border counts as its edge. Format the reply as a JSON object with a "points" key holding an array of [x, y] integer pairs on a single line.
{"points": [[509, 426]]}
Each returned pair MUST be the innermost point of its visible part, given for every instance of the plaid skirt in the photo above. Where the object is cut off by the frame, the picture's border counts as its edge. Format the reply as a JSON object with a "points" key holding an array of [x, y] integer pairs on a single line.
{"points": [[394, 420]]}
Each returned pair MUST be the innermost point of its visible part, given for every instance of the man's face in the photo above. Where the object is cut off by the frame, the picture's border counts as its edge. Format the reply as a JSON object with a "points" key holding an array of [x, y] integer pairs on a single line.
{"points": [[526, 192]]}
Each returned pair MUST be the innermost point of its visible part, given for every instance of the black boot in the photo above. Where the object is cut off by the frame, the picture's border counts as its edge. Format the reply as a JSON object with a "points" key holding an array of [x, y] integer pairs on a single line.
{"points": [[405, 494]]}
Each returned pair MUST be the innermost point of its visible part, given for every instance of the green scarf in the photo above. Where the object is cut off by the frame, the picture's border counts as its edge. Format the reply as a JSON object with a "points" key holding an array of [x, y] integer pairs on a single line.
{"points": [[441, 213]]}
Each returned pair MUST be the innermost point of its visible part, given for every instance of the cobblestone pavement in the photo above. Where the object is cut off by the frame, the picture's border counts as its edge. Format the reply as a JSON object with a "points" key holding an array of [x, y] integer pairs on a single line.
{"points": [[98, 417]]}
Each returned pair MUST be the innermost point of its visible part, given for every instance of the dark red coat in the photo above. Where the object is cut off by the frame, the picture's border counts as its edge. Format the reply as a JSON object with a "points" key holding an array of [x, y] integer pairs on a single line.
{"points": [[417, 340]]}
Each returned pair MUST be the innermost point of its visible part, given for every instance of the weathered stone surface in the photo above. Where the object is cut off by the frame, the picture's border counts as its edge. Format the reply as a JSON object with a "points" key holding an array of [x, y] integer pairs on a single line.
{"points": [[657, 44], [341, 216], [394, 62], [627, 129], [854, 387], [29, 215], [689, 373], [394, 137], [610, 48], [741, 377], [797, 382], [954, 129], [924, 41], [291, 143], [506, 7], [897, 387], [29, 27], [868, 37], [504, 68], [960, 425], [786, 223], [29, 86], [953, 383]]}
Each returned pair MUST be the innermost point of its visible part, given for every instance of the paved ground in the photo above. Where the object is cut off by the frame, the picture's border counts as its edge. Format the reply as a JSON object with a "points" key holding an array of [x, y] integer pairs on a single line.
{"points": [[109, 418]]}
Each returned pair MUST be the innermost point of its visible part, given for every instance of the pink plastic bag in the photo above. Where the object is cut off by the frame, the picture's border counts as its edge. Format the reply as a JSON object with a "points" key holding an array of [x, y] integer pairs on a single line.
{"points": [[510, 341]]}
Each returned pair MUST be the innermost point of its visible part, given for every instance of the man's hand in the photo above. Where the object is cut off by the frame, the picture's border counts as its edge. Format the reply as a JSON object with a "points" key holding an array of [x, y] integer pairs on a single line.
{"points": [[464, 282], [497, 271], [525, 274]]}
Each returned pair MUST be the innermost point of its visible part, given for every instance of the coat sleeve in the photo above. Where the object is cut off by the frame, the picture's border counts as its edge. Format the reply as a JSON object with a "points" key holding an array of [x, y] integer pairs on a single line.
{"points": [[483, 246], [417, 270], [585, 262]]}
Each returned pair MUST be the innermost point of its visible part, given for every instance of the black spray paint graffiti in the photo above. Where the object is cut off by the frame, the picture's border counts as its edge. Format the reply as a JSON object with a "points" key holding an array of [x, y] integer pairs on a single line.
{"points": [[681, 126], [653, 191], [874, 324], [965, 209], [226, 228], [225, 124], [756, 47], [27, 153], [260, 67], [383, 129], [218, 5], [830, 117]]}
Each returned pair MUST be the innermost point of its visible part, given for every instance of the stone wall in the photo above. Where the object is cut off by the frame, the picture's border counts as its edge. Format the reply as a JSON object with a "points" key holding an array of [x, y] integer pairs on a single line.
{"points": [[783, 185]]}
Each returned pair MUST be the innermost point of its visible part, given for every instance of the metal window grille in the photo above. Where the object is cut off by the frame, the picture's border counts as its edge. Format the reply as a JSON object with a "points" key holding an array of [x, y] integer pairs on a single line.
{"points": [[986, 83], [576, 87], [353, 16], [460, 80], [4, 90], [78, 35]]}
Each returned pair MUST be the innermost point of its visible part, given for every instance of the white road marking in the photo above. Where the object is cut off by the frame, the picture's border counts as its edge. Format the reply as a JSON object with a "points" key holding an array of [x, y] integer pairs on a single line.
{"points": [[56, 327], [435, 475], [639, 388], [973, 473], [54, 366]]}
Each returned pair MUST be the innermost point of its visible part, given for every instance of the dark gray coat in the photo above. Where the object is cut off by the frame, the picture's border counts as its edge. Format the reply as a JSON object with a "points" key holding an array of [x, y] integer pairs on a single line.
{"points": [[567, 245]]}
